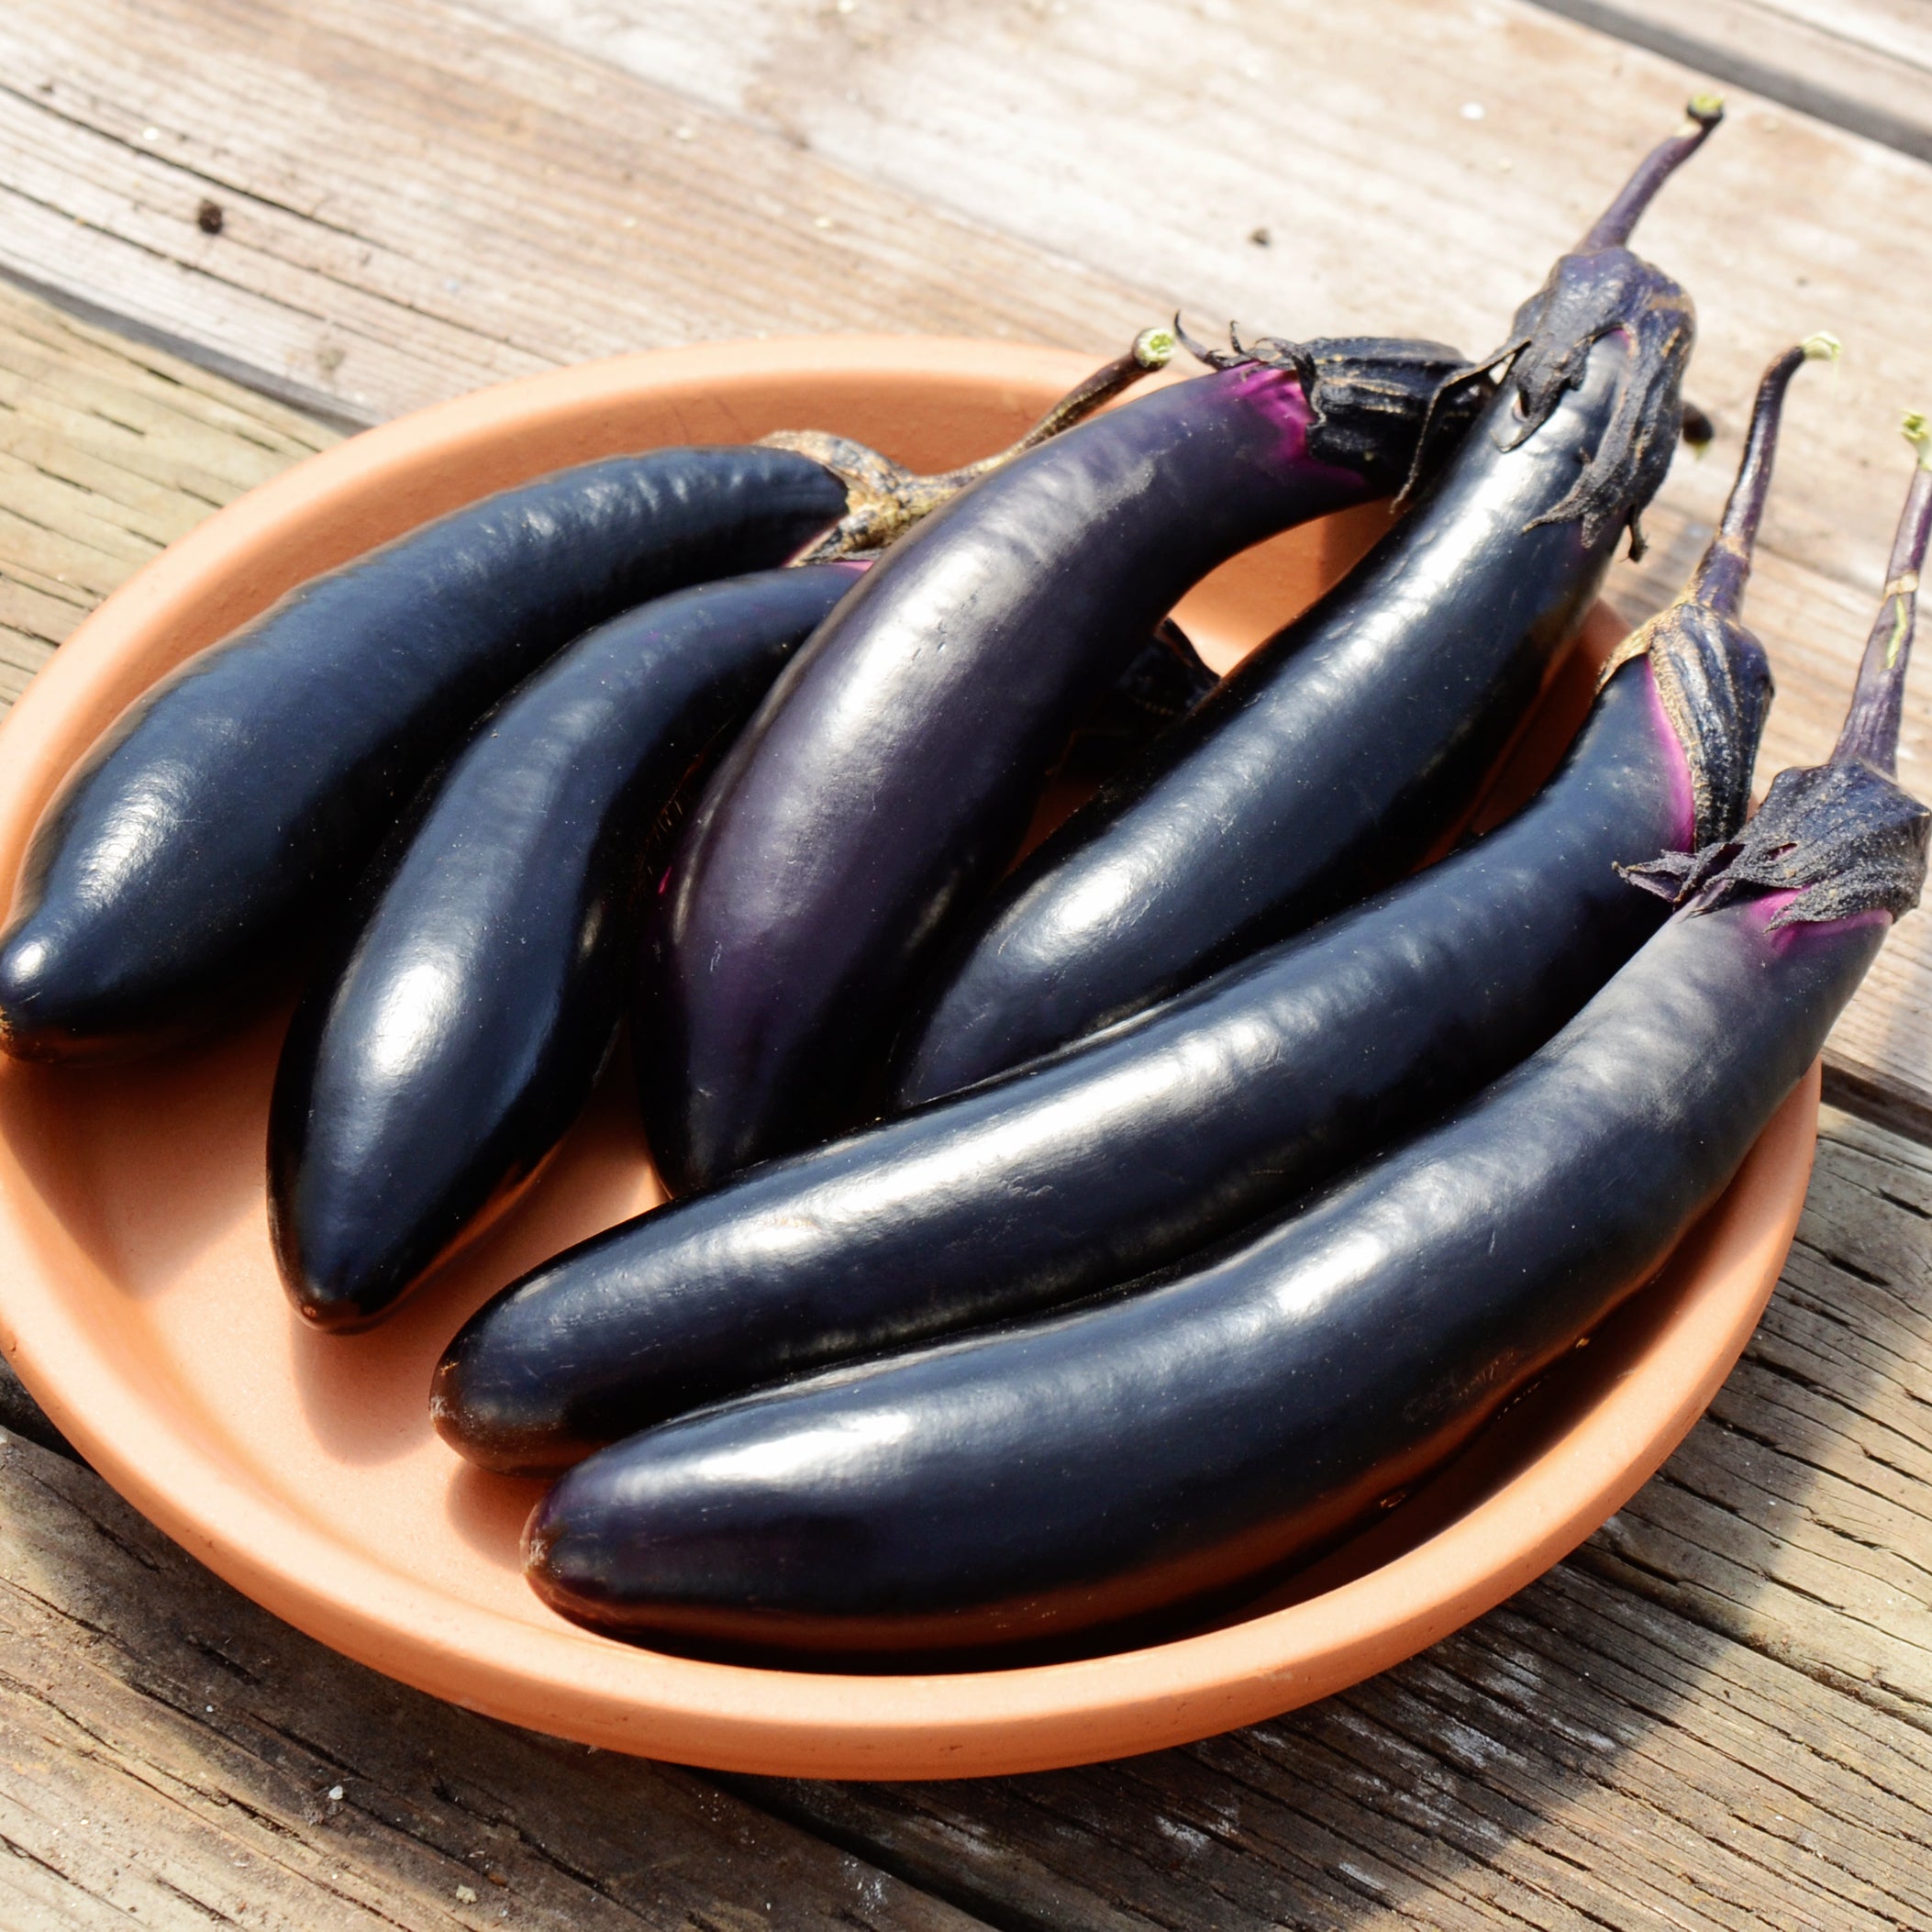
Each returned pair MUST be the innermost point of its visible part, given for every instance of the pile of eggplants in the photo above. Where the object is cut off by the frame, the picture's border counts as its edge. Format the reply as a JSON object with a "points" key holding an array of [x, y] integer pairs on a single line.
{"points": [[1064, 1250]]}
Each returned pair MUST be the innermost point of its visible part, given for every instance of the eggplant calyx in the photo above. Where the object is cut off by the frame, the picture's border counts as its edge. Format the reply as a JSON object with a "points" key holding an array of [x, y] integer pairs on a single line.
{"points": [[1714, 684], [1844, 836], [1384, 407], [1589, 296], [884, 499], [1600, 288], [1712, 675], [1698, 431], [1164, 680]]}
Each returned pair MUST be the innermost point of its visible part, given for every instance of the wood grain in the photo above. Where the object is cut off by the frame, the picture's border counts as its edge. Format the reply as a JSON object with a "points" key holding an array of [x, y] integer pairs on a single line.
{"points": [[1718, 1714], [172, 1753], [108, 452], [1150, 138]]}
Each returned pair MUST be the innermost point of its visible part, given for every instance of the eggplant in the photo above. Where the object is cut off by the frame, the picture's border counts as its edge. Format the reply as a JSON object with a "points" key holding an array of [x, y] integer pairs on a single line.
{"points": [[892, 772], [212, 829], [423, 1084], [1127, 1152], [432, 1068], [1108, 1474], [1330, 761]]}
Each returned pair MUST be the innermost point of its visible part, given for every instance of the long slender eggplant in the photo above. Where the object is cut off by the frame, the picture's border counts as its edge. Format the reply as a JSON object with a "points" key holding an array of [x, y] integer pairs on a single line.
{"points": [[219, 820], [423, 1084], [891, 773], [1125, 1153], [432, 1068], [1332, 759], [1129, 1465]]}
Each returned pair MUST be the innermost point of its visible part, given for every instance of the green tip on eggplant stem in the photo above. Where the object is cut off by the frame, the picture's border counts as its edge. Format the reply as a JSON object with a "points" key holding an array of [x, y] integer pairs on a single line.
{"points": [[1613, 228], [1154, 347], [1719, 579], [1918, 433], [1871, 727]]}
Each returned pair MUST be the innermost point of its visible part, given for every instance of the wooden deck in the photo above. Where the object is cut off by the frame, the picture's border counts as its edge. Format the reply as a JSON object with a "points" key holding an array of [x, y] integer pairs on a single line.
{"points": [[1719, 1712]]}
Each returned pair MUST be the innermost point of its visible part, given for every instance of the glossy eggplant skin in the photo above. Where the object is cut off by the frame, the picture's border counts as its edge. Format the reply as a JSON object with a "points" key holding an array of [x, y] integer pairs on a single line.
{"points": [[1130, 1465], [1321, 769], [893, 770], [425, 1082], [214, 828], [1119, 1156]]}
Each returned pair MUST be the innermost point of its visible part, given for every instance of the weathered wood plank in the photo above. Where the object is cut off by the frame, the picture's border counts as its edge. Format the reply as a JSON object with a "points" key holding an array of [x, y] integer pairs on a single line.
{"points": [[108, 451], [1717, 1715], [414, 202], [1681, 1727], [172, 1754]]}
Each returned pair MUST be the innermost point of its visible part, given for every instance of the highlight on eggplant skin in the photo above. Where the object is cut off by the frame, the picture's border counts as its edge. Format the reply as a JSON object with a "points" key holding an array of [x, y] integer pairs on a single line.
{"points": [[1127, 1152], [212, 828], [1171, 1449], [894, 769], [425, 1081], [1328, 762]]}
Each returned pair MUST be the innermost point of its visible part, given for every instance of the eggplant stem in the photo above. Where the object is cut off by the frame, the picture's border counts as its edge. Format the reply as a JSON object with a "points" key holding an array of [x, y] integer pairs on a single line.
{"points": [[1719, 579], [1872, 725], [1152, 349], [883, 499], [1614, 226], [1843, 839]]}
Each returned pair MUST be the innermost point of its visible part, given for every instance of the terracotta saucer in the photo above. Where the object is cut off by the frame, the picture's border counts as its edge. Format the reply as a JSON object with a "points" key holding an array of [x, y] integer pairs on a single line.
{"points": [[139, 1300]]}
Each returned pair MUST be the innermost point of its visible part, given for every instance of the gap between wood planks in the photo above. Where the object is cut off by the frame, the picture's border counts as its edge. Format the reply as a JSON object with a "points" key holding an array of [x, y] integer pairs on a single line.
{"points": [[1718, 1714]]}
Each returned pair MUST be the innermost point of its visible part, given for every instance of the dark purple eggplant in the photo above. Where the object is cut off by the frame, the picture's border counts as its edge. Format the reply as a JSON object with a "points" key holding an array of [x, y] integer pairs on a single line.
{"points": [[1335, 757], [214, 828], [1127, 1152], [893, 770], [1105, 1474], [423, 1084], [433, 1066]]}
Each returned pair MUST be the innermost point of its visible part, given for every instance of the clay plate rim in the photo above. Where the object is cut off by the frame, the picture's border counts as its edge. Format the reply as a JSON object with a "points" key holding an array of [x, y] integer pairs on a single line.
{"points": [[578, 1685]]}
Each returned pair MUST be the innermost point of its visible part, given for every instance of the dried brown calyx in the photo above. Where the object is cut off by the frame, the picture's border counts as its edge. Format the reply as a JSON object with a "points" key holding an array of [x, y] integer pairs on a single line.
{"points": [[884, 499]]}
